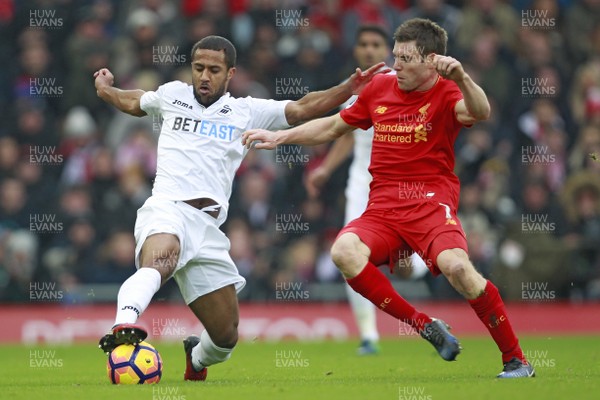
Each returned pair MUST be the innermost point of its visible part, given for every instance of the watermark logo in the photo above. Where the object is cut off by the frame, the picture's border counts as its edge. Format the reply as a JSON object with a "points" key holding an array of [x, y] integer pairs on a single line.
{"points": [[290, 87], [413, 190], [45, 87], [165, 259], [157, 122], [539, 358], [290, 291], [166, 393], [45, 223], [537, 155], [45, 155], [537, 19], [290, 155], [413, 393], [408, 54], [168, 327], [537, 87], [537, 291], [291, 223], [46, 19], [167, 55], [44, 291], [290, 359], [44, 359], [405, 329], [410, 259], [536, 223], [290, 19]]}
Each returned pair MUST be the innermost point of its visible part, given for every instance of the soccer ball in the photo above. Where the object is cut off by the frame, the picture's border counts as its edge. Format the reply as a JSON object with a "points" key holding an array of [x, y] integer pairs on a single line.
{"points": [[130, 364]]}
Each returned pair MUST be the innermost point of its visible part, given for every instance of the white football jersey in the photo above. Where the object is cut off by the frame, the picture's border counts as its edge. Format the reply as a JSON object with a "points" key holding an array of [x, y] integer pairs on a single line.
{"points": [[359, 178], [200, 148]]}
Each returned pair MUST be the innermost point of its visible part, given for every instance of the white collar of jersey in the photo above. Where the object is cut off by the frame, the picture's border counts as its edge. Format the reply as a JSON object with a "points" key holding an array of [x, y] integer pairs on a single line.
{"points": [[217, 103]]}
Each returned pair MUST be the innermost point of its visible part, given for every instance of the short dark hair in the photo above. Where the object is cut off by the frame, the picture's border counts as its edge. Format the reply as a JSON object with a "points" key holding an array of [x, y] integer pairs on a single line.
{"points": [[217, 43], [429, 37], [377, 29]]}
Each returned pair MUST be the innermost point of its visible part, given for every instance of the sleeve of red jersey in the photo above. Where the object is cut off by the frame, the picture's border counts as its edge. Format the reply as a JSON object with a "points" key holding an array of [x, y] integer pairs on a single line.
{"points": [[357, 113]]}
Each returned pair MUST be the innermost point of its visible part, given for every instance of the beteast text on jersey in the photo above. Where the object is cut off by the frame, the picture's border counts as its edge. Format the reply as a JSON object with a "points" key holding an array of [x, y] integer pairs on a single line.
{"points": [[206, 128]]}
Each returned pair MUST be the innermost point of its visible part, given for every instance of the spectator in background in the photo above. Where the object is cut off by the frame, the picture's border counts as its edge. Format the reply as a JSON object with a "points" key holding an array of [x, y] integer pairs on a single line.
{"points": [[581, 19], [492, 72], [9, 156], [85, 51], [34, 126], [531, 250], [138, 150], [370, 12], [14, 213], [117, 259], [585, 93], [586, 148], [581, 202], [134, 51], [75, 202], [479, 16], [78, 146], [18, 264], [71, 258], [473, 153], [445, 15]]}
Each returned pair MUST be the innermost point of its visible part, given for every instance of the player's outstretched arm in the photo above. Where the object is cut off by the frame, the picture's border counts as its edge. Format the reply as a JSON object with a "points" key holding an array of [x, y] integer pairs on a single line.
{"points": [[475, 105], [127, 101], [340, 151], [315, 104], [314, 132]]}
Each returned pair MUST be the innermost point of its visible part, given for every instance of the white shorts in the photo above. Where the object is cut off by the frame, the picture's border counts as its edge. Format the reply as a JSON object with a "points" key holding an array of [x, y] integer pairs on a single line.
{"points": [[204, 263]]}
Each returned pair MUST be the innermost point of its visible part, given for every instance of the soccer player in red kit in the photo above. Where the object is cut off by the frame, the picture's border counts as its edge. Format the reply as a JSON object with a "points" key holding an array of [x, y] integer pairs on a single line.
{"points": [[416, 114]]}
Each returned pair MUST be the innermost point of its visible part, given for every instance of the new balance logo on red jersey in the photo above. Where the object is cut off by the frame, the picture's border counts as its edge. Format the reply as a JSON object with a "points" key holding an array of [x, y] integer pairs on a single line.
{"points": [[380, 110]]}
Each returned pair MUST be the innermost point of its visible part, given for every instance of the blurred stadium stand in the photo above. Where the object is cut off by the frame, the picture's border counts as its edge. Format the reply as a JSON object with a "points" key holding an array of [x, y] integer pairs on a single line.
{"points": [[73, 171]]}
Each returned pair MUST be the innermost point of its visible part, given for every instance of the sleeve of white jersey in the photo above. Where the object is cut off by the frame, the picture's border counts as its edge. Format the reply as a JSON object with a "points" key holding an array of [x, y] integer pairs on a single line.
{"points": [[151, 101], [268, 114]]}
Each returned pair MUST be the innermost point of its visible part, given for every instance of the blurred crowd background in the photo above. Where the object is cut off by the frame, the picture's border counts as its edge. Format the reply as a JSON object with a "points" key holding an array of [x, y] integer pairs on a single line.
{"points": [[73, 171]]}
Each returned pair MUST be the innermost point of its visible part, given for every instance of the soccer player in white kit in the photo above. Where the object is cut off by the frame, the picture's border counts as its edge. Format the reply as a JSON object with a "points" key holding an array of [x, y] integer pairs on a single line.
{"points": [[177, 229], [371, 47]]}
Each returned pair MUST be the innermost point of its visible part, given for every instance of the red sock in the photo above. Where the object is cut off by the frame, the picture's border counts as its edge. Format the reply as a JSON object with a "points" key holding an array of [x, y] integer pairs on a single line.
{"points": [[490, 309], [376, 287]]}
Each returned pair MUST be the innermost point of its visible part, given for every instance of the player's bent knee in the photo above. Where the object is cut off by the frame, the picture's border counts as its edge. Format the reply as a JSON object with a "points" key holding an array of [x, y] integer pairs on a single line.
{"points": [[454, 268], [349, 254], [343, 253]]}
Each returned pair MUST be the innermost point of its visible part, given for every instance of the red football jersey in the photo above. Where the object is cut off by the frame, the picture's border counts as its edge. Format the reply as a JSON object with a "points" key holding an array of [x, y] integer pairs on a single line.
{"points": [[413, 144]]}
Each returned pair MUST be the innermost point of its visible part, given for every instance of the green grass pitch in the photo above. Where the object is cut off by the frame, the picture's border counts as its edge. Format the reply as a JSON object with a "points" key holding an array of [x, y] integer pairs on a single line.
{"points": [[568, 367]]}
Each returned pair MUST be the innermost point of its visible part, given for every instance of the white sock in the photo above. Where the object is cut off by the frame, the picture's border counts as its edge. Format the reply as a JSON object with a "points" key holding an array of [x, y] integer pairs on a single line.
{"points": [[207, 353], [365, 315], [135, 295]]}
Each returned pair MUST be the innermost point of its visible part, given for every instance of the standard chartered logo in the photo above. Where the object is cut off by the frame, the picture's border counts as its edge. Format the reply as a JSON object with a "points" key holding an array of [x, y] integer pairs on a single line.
{"points": [[389, 132]]}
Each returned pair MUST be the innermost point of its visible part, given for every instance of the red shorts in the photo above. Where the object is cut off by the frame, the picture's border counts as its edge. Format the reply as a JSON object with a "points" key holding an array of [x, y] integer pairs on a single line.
{"points": [[424, 227]]}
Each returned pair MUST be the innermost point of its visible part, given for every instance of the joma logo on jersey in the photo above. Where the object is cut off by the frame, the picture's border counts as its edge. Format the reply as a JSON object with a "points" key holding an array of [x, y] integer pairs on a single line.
{"points": [[182, 104], [380, 110]]}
